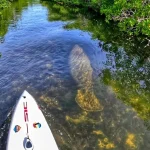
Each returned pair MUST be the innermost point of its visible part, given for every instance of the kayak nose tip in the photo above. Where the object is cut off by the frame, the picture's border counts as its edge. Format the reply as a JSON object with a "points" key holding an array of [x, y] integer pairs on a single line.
{"points": [[25, 94], [25, 91]]}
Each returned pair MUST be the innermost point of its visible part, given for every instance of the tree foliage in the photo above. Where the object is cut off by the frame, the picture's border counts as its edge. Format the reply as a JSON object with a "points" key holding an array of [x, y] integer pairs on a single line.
{"points": [[132, 16], [3, 4]]}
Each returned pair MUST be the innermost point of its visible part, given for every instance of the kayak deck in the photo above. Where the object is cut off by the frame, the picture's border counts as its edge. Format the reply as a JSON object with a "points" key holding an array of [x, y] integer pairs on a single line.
{"points": [[29, 129]]}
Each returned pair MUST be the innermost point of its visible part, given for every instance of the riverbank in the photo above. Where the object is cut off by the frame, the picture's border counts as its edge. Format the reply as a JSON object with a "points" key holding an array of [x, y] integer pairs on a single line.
{"points": [[132, 17]]}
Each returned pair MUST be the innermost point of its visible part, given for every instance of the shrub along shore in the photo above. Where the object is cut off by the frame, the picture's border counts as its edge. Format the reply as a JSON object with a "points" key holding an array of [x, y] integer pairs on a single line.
{"points": [[3, 4], [132, 16]]}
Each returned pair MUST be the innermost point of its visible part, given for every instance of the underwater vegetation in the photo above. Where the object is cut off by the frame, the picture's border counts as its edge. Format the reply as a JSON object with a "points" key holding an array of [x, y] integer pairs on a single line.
{"points": [[130, 141], [52, 103], [88, 101]]}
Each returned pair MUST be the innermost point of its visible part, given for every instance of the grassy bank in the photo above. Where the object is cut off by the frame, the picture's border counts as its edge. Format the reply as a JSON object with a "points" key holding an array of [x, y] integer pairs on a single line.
{"points": [[132, 16]]}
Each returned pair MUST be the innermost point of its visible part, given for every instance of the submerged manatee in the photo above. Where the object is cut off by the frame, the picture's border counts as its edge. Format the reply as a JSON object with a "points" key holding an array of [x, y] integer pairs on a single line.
{"points": [[82, 72], [81, 69]]}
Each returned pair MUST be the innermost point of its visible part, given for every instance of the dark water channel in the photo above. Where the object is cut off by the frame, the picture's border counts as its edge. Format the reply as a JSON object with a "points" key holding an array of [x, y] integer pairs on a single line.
{"points": [[91, 81]]}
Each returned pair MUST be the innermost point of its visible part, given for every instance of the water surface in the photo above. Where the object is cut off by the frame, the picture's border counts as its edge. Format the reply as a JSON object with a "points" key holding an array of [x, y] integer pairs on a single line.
{"points": [[90, 80]]}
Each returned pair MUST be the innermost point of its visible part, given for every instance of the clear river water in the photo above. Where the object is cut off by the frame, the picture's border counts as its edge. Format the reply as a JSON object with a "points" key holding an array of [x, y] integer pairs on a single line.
{"points": [[91, 81]]}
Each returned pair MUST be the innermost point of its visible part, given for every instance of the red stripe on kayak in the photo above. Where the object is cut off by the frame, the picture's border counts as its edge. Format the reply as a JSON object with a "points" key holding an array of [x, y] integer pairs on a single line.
{"points": [[25, 112]]}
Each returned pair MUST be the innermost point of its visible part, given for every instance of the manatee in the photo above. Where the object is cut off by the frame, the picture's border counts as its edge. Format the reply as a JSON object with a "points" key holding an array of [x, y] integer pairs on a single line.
{"points": [[81, 69], [82, 72]]}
